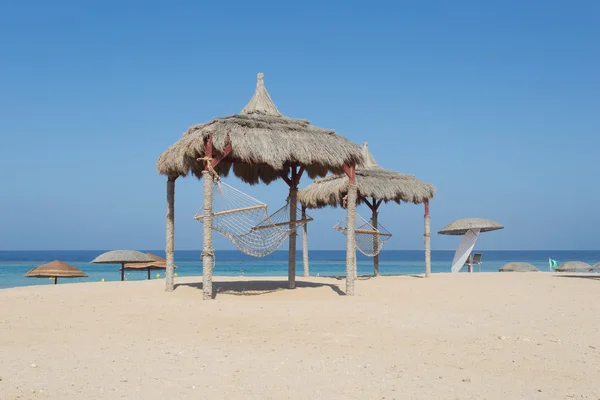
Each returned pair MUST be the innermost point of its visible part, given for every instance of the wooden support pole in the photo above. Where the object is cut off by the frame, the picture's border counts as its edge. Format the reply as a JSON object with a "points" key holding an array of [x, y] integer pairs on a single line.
{"points": [[427, 239], [170, 236], [207, 247], [55, 280], [375, 240], [122, 272], [293, 235], [305, 244], [148, 273], [350, 240]]}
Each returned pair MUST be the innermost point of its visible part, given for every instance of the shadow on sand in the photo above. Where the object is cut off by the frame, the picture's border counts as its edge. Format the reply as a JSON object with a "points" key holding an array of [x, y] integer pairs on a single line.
{"points": [[256, 288], [592, 277]]}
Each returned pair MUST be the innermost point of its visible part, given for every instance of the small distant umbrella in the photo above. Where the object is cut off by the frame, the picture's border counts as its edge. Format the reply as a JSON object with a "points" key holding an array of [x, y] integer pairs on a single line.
{"points": [[56, 269], [574, 266], [470, 228], [158, 263], [122, 257], [596, 266], [518, 267]]}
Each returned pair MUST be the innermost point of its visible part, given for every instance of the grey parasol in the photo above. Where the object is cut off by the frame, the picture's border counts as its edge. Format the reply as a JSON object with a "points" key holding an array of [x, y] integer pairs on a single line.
{"points": [[122, 257]]}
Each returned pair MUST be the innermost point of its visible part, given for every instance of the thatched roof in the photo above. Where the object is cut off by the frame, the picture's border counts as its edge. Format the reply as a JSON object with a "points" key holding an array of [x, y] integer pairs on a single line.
{"points": [[518, 267], [373, 182], [574, 266], [461, 226], [596, 266], [56, 269], [122, 256], [263, 142], [158, 263]]}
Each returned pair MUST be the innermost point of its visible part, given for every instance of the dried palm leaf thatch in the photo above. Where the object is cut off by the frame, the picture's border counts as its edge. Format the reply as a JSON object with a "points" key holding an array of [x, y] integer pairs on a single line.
{"points": [[461, 226], [56, 269], [263, 143], [518, 267], [158, 263], [372, 181], [574, 266]]}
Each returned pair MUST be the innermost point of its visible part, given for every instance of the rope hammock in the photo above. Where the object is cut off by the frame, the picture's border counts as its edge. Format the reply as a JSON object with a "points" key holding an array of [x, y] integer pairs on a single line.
{"points": [[367, 238], [246, 222]]}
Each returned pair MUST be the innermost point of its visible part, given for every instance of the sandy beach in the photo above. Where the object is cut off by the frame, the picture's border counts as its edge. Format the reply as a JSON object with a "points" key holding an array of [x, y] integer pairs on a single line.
{"points": [[465, 336]]}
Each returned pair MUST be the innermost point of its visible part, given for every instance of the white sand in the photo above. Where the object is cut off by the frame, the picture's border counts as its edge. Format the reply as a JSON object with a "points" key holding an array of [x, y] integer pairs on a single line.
{"points": [[467, 336]]}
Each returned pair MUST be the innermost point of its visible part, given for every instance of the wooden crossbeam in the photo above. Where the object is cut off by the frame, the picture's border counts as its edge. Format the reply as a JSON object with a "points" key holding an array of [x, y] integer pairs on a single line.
{"points": [[235, 210], [298, 221]]}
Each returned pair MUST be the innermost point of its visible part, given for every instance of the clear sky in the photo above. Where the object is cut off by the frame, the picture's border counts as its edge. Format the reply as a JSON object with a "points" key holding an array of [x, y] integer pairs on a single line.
{"points": [[496, 103]]}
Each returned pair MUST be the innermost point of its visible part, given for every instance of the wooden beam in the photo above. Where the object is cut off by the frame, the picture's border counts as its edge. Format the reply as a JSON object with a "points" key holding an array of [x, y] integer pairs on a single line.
{"points": [[351, 172], [285, 177], [299, 175], [225, 153], [298, 221], [368, 203], [199, 217], [377, 204]]}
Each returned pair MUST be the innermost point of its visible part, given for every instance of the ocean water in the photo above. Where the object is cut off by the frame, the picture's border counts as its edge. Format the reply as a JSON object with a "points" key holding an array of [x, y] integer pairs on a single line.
{"points": [[14, 264]]}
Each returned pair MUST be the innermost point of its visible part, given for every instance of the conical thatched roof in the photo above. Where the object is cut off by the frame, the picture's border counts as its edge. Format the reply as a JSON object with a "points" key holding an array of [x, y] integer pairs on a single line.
{"points": [[574, 266], [372, 180], [596, 266], [518, 267], [461, 226], [56, 269], [122, 256], [263, 142], [158, 263]]}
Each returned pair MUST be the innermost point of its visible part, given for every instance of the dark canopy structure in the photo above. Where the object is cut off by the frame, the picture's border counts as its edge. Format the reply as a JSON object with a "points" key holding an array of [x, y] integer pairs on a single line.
{"points": [[259, 145], [56, 269], [375, 185]]}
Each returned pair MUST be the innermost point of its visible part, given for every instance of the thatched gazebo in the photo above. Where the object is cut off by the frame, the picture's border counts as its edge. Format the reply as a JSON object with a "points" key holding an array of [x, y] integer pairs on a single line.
{"points": [[260, 145], [375, 185], [159, 263], [518, 267], [56, 269], [574, 266], [122, 257]]}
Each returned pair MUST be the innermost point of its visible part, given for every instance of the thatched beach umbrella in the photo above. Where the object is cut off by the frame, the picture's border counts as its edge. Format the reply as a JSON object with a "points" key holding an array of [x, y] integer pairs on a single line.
{"points": [[56, 269], [375, 185], [574, 266], [159, 263], [260, 145], [518, 267], [470, 228], [596, 266], [122, 257]]}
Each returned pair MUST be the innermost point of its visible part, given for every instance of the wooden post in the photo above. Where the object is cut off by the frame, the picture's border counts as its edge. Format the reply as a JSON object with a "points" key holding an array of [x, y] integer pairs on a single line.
{"points": [[375, 242], [305, 244], [55, 280], [170, 239], [293, 234], [207, 248], [148, 273], [350, 240], [122, 272], [427, 238]]}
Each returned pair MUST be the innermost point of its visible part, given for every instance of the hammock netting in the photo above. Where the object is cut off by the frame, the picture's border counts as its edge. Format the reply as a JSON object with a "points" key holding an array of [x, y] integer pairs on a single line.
{"points": [[246, 222], [369, 240]]}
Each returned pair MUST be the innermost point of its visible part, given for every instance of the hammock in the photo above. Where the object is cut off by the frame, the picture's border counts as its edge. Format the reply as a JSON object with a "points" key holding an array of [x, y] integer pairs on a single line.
{"points": [[368, 240], [246, 222]]}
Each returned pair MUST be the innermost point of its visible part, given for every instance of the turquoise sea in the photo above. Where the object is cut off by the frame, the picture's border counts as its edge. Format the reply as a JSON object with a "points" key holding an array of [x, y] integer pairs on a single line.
{"points": [[14, 264]]}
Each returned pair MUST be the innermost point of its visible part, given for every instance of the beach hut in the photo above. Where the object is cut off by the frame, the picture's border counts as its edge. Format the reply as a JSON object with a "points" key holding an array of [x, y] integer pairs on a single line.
{"points": [[375, 185], [469, 228], [122, 257], [260, 145], [56, 269], [159, 263], [518, 267], [574, 266]]}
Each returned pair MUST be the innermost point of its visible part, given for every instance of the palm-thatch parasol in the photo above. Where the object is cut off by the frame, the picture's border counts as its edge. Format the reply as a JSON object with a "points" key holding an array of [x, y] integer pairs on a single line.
{"points": [[260, 145], [518, 267], [158, 263], [56, 269], [122, 257], [470, 228], [375, 185], [574, 266], [596, 266]]}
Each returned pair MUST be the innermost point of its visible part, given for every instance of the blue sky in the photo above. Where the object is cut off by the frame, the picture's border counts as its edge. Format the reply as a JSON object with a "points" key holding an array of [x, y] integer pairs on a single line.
{"points": [[495, 103]]}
